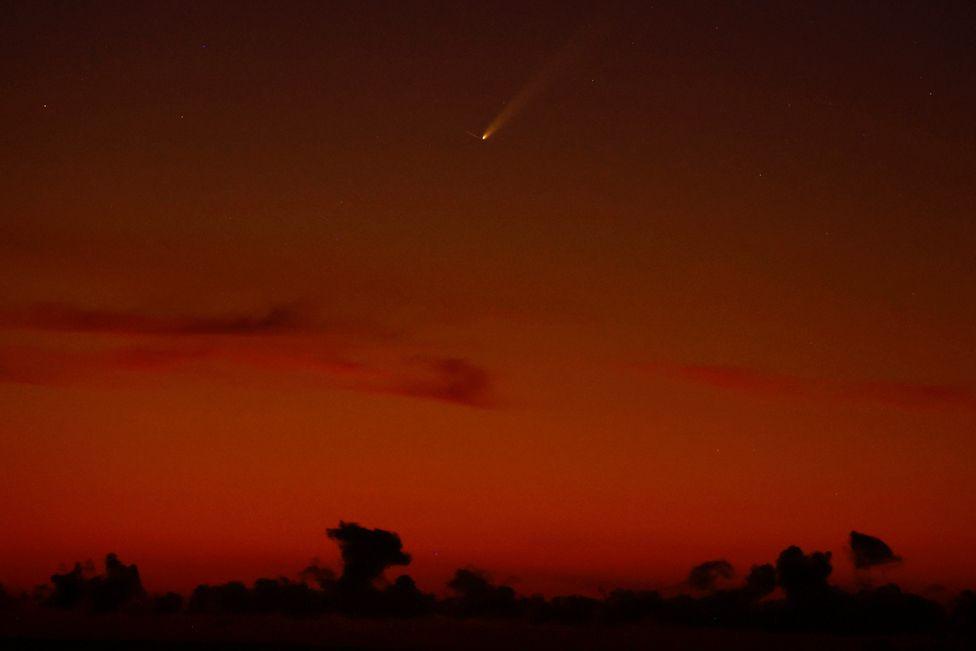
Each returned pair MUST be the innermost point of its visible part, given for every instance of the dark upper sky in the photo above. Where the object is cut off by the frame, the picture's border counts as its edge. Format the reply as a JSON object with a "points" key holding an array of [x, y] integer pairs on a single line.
{"points": [[714, 274]]}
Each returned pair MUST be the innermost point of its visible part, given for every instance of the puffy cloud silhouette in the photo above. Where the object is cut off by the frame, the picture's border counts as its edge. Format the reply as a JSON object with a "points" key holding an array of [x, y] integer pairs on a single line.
{"points": [[869, 551], [323, 577], [404, 599], [477, 596], [366, 553], [760, 581], [119, 586], [802, 576], [705, 575], [811, 603]]}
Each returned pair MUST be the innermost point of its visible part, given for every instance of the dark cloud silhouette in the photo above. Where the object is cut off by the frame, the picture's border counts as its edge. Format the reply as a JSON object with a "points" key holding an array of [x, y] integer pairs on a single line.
{"points": [[231, 597], [572, 609], [366, 553], [705, 575], [119, 586], [760, 581], [168, 603], [282, 595], [478, 597], [963, 616], [632, 605], [887, 609], [808, 602], [404, 599], [803, 576], [322, 577], [869, 551], [6, 601]]}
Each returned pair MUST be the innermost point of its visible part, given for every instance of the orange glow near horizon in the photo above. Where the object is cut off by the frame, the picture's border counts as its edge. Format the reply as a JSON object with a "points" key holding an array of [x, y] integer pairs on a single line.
{"points": [[693, 305]]}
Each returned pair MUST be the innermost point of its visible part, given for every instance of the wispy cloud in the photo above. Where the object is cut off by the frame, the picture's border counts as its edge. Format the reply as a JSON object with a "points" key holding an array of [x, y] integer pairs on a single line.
{"points": [[904, 395], [295, 345], [67, 318], [448, 379]]}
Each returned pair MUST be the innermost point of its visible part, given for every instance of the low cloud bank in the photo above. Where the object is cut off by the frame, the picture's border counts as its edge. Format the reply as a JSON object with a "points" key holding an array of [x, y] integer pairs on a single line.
{"points": [[794, 593]]}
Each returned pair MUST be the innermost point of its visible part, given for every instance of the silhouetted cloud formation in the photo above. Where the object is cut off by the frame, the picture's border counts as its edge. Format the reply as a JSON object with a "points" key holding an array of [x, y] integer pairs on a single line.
{"points": [[760, 581], [477, 596], [279, 595], [168, 603], [366, 553], [964, 612], [323, 577], [803, 576], [80, 587], [868, 551], [809, 602], [705, 575]]}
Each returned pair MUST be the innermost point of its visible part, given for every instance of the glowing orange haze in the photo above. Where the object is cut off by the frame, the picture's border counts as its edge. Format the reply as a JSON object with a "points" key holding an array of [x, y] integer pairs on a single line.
{"points": [[707, 297], [572, 470]]}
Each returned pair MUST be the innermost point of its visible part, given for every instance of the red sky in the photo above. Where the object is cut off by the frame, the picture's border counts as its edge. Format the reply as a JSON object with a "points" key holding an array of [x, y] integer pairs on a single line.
{"points": [[709, 293]]}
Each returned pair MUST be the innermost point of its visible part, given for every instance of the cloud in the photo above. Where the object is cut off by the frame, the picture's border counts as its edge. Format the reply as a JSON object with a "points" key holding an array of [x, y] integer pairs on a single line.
{"points": [[366, 553], [44, 366], [279, 595], [478, 597], [903, 395], [705, 575], [67, 318], [315, 574], [738, 379], [365, 361], [913, 396], [868, 551], [760, 581], [811, 603], [803, 576], [449, 379], [119, 586]]}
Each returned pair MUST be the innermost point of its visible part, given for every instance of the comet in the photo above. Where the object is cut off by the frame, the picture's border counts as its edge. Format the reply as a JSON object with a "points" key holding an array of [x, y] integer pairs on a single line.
{"points": [[534, 87]]}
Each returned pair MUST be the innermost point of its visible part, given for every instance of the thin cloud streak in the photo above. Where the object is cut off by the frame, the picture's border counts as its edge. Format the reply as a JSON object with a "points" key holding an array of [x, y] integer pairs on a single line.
{"points": [[283, 339], [902, 395], [66, 318], [444, 379]]}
